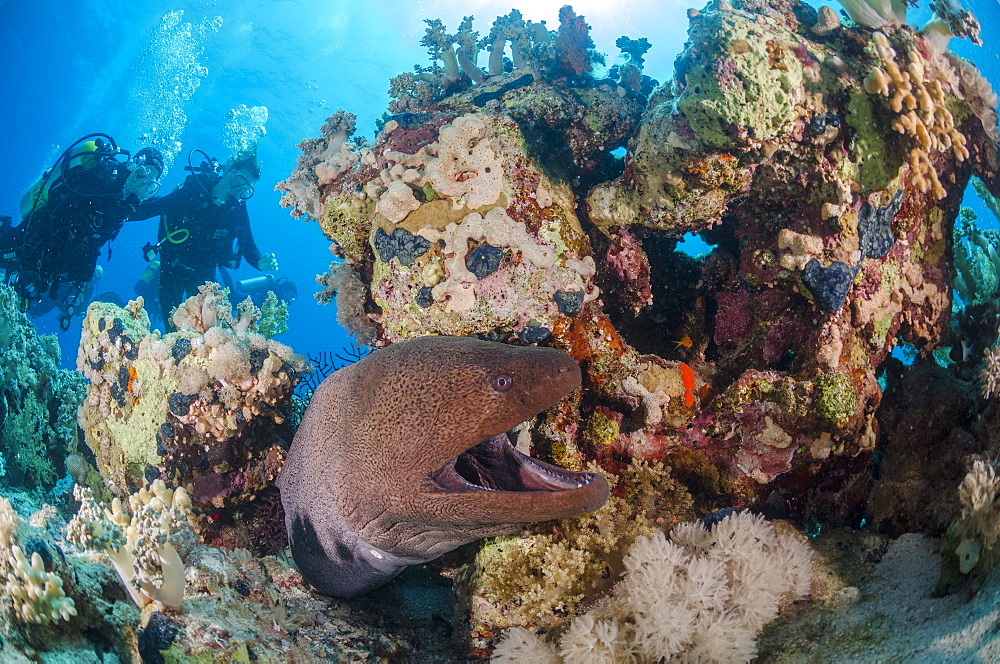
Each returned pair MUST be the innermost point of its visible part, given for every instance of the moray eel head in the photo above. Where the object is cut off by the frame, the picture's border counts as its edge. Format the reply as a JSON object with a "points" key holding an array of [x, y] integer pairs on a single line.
{"points": [[406, 455]]}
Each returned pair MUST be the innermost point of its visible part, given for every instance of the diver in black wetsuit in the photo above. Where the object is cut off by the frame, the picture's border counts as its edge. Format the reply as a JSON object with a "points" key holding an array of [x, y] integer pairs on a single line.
{"points": [[199, 223], [78, 206]]}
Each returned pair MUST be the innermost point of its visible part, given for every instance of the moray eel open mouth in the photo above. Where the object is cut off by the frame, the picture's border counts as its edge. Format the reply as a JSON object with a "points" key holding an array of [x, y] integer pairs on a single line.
{"points": [[495, 465]]}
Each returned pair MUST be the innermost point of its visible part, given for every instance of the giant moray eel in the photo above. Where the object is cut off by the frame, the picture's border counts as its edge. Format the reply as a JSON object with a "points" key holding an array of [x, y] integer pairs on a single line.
{"points": [[404, 455]]}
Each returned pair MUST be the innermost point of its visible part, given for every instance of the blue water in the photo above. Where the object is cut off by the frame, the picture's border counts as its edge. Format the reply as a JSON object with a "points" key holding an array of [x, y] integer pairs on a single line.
{"points": [[72, 68]]}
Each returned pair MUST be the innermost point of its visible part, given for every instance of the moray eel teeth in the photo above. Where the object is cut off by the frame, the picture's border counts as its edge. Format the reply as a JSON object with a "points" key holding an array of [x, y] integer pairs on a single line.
{"points": [[405, 455], [496, 465]]}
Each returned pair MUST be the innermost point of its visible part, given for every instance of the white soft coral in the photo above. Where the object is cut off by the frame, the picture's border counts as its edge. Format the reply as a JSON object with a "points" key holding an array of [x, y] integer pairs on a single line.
{"points": [[699, 596]]}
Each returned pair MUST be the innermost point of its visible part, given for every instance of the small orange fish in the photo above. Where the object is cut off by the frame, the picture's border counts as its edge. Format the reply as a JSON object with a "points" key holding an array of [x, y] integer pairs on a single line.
{"points": [[684, 342], [687, 376]]}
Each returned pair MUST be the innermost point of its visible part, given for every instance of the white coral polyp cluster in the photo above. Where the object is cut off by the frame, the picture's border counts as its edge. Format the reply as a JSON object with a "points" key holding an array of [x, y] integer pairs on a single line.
{"points": [[461, 166], [699, 596], [978, 527], [989, 376], [139, 545], [917, 95]]}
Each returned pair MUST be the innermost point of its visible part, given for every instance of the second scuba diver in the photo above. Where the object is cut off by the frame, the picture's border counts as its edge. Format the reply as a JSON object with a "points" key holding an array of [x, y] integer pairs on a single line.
{"points": [[199, 223]]}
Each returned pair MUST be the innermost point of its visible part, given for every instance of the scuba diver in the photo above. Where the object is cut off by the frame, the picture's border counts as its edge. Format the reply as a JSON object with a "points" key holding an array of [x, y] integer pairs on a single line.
{"points": [[199, 223], [75, 208]]}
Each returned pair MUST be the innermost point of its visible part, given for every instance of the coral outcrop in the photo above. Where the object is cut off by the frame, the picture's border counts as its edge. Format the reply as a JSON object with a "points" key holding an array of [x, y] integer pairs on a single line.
{"points": [[823, 163], [202, 408]]}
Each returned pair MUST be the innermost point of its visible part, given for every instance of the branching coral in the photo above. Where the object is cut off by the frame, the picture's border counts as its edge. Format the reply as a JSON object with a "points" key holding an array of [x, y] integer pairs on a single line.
{"points": [[917, 95], [701, 595], [323, 159], [37, 594], [140, 547]]}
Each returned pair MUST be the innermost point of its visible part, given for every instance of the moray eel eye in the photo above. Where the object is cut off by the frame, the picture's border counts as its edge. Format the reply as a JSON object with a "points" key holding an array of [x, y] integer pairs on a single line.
{"points": [[502, 382]]}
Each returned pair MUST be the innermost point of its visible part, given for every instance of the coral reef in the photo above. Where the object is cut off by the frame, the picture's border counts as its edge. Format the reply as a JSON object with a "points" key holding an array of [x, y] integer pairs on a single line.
{"points": [[234, 607], [823, 162], [38, 401], [203, 408]]}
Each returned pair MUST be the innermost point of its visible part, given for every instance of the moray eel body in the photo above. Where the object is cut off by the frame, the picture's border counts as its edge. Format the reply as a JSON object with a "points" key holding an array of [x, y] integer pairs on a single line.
{"points": [[404, 456]]}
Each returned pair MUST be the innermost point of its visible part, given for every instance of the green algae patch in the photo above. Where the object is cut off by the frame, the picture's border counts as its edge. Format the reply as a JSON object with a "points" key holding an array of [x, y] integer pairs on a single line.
{"points": [[750, 87], [345, 221], [877, 161], [835, 397]]}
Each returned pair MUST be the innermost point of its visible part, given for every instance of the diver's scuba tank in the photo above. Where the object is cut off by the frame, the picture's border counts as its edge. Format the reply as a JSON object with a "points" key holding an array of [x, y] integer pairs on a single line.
{"points": [[260, 284]]}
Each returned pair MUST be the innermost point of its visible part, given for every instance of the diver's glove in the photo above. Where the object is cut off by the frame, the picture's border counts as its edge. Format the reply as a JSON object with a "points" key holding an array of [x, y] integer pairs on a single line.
{"points": [[267, 263]]}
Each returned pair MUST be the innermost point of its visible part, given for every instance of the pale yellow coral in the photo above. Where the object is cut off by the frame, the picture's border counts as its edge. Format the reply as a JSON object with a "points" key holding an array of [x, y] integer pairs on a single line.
{"points": [[916, 93], [37, 595]]}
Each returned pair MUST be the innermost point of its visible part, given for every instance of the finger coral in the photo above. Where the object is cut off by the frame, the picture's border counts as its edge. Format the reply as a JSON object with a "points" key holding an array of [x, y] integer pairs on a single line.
{"points": [[35, 589], [37, 595]]}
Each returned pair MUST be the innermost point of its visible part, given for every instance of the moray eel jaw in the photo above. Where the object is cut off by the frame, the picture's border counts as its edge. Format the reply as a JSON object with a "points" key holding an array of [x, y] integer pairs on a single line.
{"points": [[496, 465]]}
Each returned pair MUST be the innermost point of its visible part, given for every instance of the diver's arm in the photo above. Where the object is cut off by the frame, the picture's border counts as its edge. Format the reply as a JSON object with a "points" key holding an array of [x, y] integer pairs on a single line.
{"points": [[246, 245], [159, 205]]}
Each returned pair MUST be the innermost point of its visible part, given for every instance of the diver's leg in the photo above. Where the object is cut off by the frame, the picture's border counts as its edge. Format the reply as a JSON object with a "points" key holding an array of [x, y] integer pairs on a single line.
{"points": [[171, 292]]}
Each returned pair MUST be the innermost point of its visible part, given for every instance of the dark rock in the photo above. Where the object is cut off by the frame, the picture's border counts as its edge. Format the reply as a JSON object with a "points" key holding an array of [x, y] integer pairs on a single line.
{"points": [[829, 285], [180, 404], [242, 587], [157, 635], [534, 333], [400, 244], [424, 298], [257, 357], [875, 227], [570, 303], [484, 260], [181, 349], [487, 97]]}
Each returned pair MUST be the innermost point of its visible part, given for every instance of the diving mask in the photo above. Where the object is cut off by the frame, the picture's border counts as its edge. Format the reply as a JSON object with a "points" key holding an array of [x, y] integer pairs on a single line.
{"points": [[143, 182]]}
